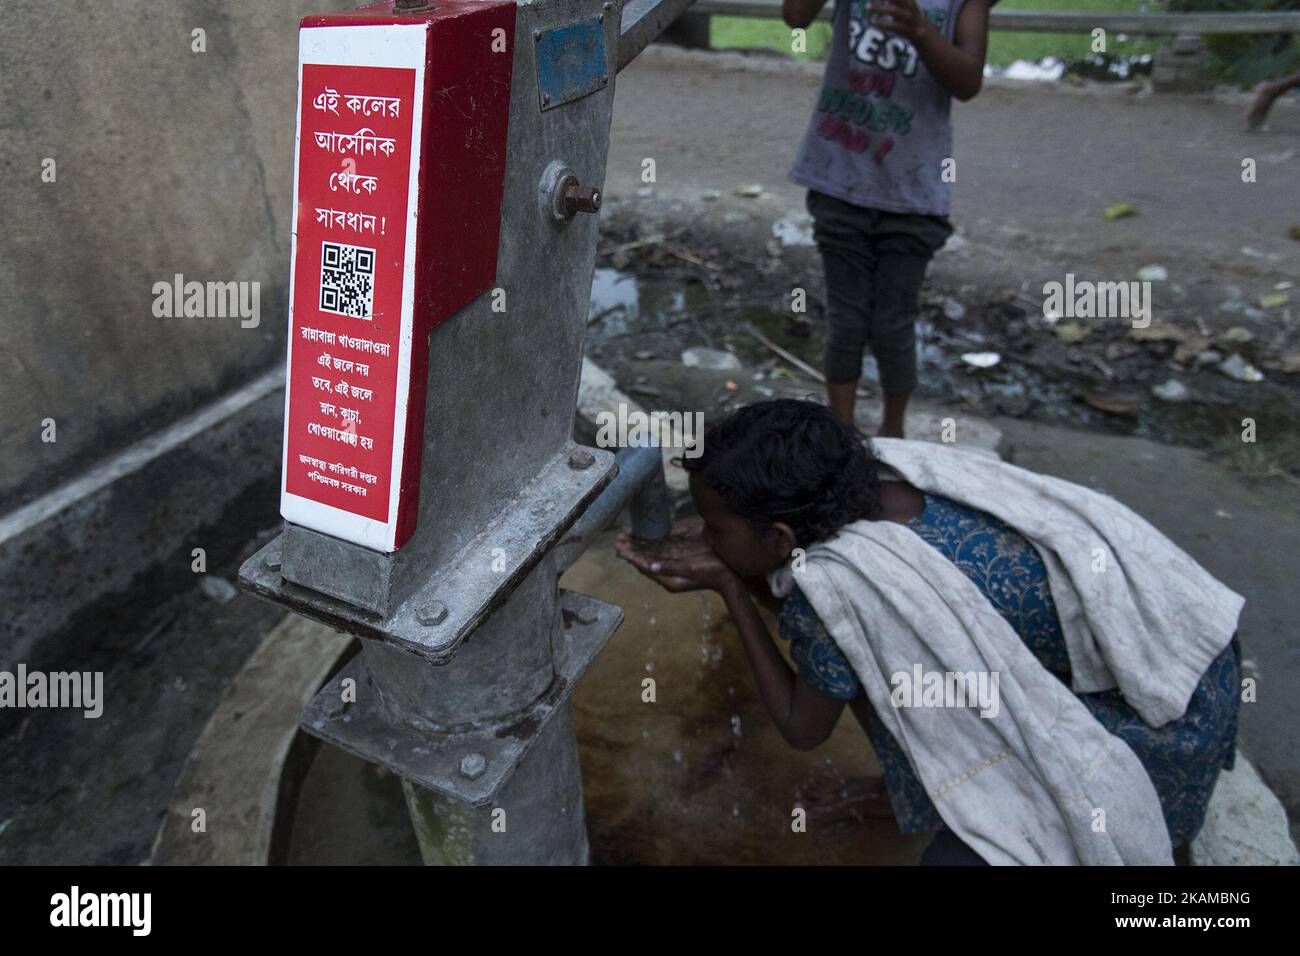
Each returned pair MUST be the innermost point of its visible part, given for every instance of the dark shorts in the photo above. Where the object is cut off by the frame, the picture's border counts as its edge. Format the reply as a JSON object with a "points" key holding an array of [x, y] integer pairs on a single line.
{"points": [[874, 262]]}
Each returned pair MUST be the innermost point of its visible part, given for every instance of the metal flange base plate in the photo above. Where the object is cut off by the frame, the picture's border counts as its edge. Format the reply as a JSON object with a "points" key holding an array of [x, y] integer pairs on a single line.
{"points": [[470, 586], [433, 760]]}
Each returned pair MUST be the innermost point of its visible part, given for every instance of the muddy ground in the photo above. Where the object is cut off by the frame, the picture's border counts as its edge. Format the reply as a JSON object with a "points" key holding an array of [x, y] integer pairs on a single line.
{"points": [[1208, 359]]}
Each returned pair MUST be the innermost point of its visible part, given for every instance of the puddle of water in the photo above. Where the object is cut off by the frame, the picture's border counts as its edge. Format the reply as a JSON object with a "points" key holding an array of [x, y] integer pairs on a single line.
{"points": [[699, 776], [702, 775], [616, 297], [626, 303]]}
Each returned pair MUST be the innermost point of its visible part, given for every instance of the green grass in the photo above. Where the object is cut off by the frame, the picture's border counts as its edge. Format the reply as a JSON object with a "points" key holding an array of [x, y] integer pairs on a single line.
{"points": [[1004, 47], [1007, 47], [751, 33]]}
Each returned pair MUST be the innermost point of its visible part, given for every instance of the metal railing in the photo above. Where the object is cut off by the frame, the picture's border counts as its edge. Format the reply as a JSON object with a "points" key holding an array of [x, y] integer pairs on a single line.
{"points": [[644, 20], [1033, 21]]}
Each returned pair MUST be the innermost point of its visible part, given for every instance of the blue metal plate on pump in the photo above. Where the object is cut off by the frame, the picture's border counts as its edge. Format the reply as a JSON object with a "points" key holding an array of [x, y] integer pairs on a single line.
{"points": [[571, 62]]}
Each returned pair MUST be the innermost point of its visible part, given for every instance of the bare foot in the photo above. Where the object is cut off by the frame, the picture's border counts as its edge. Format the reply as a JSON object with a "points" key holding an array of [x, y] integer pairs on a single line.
{"points": [[1265, 94]]}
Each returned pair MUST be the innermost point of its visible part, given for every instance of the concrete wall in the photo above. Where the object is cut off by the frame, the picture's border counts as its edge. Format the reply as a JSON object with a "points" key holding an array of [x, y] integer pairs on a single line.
{"points": [[168, 161]]}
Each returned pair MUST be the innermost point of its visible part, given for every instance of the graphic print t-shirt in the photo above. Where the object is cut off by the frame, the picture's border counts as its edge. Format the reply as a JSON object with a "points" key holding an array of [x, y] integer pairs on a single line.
{"points": [[880, 132]]}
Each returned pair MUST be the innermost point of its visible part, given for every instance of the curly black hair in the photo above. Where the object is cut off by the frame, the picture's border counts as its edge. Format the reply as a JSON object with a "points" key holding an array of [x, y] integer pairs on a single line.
{"points": [[791, 461]]}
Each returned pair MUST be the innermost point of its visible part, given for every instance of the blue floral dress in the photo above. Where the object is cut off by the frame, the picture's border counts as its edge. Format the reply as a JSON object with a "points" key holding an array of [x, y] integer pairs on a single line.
{"points": [[1183, 758]]}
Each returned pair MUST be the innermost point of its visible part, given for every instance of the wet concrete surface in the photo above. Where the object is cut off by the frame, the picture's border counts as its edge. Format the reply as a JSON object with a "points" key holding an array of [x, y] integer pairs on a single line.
{"points": [[702, 775]]}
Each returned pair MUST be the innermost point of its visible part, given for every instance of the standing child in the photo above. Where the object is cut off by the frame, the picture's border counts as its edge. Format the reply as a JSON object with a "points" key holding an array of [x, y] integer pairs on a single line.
{"points": [[877, 161]]}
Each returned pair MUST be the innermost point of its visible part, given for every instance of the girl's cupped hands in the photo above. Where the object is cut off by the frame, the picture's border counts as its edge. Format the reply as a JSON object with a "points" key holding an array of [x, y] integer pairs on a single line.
{"points": [[683, 561]]}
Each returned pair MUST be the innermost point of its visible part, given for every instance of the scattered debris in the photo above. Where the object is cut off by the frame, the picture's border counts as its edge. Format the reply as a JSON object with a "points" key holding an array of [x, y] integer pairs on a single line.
{"points": [[797, 326], [1114, 403], [217, 589], [1235, 306], [1119, 211], [653, 239], [1171, 391], [792, 232], [1209, 357], [953, 310], [1049, 68], [1071, 332], [783, 353], [752, 191], [1273, 300], [1191, 349], [989, 348], [616, 307], [1234, 366], [1010, 398], [1288, 362], [700, 357], [695, 260]]}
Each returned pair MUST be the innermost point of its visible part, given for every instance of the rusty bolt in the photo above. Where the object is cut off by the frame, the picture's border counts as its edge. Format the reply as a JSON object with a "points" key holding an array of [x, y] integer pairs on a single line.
{"points": [[575, 198], [581, 459], [472, 766], [435, 612]]}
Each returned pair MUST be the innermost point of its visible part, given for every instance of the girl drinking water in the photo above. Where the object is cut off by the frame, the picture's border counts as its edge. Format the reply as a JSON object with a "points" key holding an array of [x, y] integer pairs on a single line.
{"points": [[1112, 654]]}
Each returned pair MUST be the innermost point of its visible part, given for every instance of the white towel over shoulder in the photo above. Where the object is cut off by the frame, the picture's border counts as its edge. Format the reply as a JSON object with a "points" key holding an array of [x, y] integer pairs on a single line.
{"points": [[1042, 781]]}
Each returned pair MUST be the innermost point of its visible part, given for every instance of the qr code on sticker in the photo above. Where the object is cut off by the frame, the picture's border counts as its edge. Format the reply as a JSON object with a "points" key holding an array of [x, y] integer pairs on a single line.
{"points": [[347, 280]]}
